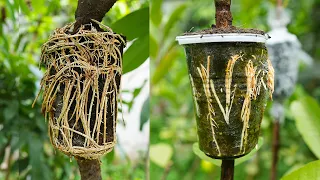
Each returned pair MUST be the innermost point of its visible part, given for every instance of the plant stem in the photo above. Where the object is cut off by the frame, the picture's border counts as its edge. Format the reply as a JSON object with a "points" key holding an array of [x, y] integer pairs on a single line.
{"points": [[275, 148], [227, 169], [89, 169], [223, 13]]}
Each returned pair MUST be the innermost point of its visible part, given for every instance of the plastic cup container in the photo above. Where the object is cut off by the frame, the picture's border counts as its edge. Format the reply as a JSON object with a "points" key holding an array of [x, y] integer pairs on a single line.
{"points": [[231, 79]]}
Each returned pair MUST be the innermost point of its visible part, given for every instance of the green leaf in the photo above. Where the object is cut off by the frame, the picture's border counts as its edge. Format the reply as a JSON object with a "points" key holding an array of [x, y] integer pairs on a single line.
{"points": [[217, 162], [156, 14], [11, 110], [10, 10], [38, 6], [174, 18], [3, 139], [136, 54], [15, 141], [39, 170], [24, 7], [110, 156], [52, 6], [128, 103], [309, 171], [145, 113], [21, 164], [161, 154], [154, 47], [306, 112], [135, 24], [137, 91], [164, 65]]}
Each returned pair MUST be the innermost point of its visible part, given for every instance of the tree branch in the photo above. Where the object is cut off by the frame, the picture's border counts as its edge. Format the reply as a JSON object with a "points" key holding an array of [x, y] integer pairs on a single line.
{"points": [[89, 169], [227, 169], [223, 13], [91, 9]]}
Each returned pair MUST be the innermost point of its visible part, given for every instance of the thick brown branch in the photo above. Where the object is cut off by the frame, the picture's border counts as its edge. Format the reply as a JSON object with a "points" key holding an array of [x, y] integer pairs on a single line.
{"points": [[91, 9], [89, 169], [223, 13], [227, 170]]}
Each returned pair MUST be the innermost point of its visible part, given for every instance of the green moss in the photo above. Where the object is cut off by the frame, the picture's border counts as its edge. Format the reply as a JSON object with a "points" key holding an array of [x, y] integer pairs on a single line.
{"points": [[227, 141]]}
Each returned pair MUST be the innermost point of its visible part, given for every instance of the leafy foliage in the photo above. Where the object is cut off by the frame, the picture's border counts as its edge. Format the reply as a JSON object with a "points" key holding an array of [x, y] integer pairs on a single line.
{"points": [[135, 25], [306, 112], [309, 171]]}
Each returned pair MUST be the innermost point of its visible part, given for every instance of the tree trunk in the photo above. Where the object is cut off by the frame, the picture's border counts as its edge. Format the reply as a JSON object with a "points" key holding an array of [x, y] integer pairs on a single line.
{"points": [[89, 169], [223, 13], [87, 10]]}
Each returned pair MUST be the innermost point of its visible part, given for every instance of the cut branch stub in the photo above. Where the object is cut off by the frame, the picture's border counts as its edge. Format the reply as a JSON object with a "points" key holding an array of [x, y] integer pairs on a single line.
{"points": [[223, 13], [81, 90], [230, 92]]}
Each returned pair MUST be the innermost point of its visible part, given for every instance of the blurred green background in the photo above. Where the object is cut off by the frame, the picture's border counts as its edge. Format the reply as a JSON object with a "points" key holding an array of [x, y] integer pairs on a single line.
{"points": [[173, 125], [24, 26]]}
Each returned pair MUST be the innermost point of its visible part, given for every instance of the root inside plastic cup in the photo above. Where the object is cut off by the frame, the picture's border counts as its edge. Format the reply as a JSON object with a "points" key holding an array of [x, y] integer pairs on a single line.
{"points": [[231, 78]]}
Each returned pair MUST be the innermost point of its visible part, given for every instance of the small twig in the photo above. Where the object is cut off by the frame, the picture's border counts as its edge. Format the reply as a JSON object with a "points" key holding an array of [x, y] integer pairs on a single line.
{"points": [[275, 148], [227, 169]]}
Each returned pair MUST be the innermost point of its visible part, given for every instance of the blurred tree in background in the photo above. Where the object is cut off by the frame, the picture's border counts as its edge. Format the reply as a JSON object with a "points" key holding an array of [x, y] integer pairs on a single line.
{"points": [[24, 26], [173, 125]]}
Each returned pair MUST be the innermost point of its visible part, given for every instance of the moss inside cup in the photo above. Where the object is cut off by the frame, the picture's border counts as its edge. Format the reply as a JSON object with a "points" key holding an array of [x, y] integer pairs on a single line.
{"points": [[231, 78]]}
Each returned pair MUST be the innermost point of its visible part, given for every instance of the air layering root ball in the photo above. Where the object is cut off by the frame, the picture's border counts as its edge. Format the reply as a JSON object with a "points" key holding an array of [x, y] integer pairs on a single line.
{"points": [[81, 89], [231, 78]]}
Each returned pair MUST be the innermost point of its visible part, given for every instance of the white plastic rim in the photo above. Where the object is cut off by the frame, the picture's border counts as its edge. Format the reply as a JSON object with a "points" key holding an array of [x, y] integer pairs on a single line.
{"points": [[230, 37]]}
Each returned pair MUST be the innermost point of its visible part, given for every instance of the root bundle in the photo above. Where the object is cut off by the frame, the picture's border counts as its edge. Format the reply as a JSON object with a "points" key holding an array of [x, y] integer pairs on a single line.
{"points": [[81, 90], [255, 78]]}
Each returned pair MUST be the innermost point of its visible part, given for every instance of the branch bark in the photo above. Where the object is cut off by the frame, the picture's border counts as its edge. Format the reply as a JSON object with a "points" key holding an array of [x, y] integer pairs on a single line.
{"points": [[275, 148], [89, 169], [227, 169], [91, 9], [223, 13]]}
